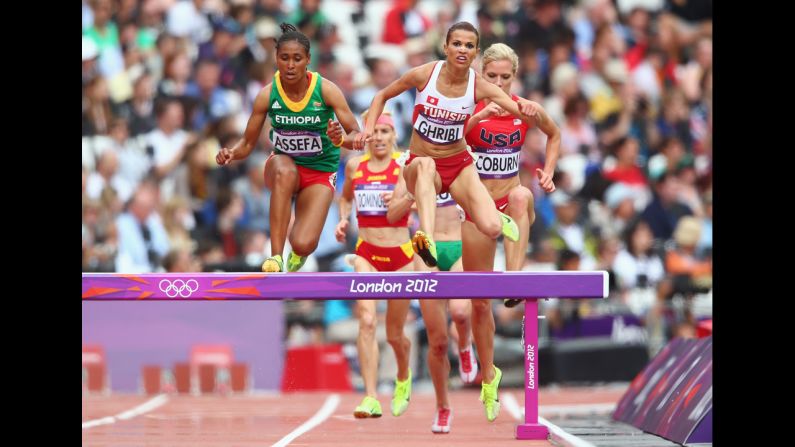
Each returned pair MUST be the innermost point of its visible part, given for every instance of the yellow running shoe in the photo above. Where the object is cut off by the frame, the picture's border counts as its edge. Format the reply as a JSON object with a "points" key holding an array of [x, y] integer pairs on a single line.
{"points": [[274, 264], [509, 227], [295, 262], [369, 408], [402, 396], [489, 396], [424, 246]]}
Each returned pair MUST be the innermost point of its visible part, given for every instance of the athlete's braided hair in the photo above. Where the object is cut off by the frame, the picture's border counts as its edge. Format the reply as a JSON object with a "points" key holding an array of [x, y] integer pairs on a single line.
{"points": [[290, 33]]}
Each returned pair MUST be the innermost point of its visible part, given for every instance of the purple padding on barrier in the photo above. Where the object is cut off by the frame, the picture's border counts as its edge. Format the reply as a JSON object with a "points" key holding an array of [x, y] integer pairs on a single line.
{"points": [[672, 395], [702, 433], [263, 286]]}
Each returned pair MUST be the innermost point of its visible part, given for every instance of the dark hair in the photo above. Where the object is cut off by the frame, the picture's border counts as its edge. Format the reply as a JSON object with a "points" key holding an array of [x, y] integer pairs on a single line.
{"points": [[565, 256], [162, 105], [618, 144], [466, 26], [291, 33], [635, 222]]}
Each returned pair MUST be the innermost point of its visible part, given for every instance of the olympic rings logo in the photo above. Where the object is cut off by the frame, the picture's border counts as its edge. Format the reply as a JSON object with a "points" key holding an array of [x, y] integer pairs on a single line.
{"points": [[178, 287]]}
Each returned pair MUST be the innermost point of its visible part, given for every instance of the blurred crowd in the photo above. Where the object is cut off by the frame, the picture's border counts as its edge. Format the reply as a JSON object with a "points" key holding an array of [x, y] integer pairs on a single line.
{"points": [[167, 83]]}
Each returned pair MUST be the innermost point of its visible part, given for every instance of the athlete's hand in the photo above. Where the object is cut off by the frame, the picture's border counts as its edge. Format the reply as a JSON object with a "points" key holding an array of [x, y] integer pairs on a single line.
{"points": [[361, 139], [341, 231], [334, 131], [386, 197], [527, 107], [224, 156], [545, 180], [491, 110]]}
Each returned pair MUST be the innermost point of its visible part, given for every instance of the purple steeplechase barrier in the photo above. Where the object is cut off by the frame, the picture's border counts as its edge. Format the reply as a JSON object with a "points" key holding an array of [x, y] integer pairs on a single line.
{"points": [[392, 285], [531, 429], [377, 285]]}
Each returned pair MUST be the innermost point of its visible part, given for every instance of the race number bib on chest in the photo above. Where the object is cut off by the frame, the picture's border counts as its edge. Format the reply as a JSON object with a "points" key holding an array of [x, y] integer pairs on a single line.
{"points": [[439, 130], [369, 201], [297, 143], [444, 199], [497, 162]]}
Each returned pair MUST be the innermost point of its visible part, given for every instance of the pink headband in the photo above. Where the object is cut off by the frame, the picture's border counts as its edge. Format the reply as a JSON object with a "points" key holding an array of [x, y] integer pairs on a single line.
{"points": [[385, 119]]}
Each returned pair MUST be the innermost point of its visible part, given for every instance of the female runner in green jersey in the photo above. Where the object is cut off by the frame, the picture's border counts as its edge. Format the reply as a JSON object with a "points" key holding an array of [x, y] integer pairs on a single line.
{"points": [[306, 142]]}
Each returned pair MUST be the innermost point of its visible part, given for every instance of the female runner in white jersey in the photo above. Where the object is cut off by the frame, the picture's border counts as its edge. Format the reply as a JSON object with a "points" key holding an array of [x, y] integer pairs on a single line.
{"points": [[447, 92]]}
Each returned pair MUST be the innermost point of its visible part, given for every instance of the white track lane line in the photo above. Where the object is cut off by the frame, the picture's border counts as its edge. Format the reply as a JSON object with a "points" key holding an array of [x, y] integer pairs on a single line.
{"points": [[512, 405], [147, 406], [325, 411]]}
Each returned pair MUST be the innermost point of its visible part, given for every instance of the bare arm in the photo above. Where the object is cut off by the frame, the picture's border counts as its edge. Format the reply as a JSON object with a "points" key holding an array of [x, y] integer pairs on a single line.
{"points": [[490, 110], [487, 90], [244, 147], [333, 96], [414, 78], [346, 199], [399, 200], [546, 125]]}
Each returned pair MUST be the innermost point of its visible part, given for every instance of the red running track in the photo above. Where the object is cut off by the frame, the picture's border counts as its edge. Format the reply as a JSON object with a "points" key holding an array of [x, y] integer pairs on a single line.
{"points": [[264, 420]]}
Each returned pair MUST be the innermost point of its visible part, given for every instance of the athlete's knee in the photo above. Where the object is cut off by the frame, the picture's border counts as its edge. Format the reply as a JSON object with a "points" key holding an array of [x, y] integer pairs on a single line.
{"points": [[481, 306], [304, 247], [491, 227], [519, 199], [460, 314], [394, 336], [437, 345], [367, 322]]}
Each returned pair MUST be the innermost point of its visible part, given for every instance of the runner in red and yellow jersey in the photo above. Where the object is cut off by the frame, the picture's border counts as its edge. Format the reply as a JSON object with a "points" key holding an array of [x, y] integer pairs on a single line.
{"points": [[382, 247]]}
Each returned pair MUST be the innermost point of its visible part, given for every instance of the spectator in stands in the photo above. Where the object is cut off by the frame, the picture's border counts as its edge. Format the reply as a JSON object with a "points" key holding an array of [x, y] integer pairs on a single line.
{"points": [[404, 21], [143, 240], [167, 144], [665, 210], [96, 107]]}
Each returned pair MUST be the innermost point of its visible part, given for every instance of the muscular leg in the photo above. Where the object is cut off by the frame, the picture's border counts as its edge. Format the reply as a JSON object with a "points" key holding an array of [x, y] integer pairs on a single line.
{"points": [[366, 343], [520, 208], [424, 182], [311, 209], [281, 177], [470, 193], [396, 313], [478, 255], [461, 312], [433, 313]]}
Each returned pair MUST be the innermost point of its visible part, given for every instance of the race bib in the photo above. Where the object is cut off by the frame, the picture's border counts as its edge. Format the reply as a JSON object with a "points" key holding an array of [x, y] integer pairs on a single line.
{"points": [[369, 201], [497, 163], [444, 199], [297, 143], [439, 130]]}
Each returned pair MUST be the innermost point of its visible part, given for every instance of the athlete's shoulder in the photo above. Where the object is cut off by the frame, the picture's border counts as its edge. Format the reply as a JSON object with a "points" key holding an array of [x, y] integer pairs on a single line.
{"points": [[264, 96], [355, 161], [327, 87], [424, 70]]}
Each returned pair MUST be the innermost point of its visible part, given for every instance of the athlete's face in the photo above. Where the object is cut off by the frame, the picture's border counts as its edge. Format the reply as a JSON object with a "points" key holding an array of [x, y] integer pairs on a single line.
{"points": [[291, 60], [383, 140], [500, 73], [461, 48]]}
